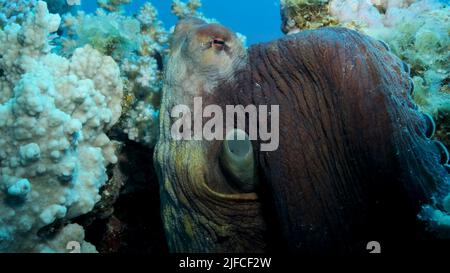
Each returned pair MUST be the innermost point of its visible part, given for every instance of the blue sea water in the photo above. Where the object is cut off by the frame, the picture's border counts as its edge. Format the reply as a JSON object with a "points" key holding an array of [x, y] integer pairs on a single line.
{"points": [[259, 20]]}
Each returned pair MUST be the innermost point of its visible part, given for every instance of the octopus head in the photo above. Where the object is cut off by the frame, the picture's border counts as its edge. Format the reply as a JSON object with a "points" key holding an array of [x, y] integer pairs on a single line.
{"points": [[210, 50]]}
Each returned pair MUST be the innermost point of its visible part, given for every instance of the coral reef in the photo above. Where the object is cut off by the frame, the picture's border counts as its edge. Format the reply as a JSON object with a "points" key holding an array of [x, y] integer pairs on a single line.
{"points": [[54, 151], [117, 224], [62, 6], [15, 11], [58, 104], [143, 73], [112, 5], [137, 44], [112, 34], [305, 14], [61, 241], [190, 9]]}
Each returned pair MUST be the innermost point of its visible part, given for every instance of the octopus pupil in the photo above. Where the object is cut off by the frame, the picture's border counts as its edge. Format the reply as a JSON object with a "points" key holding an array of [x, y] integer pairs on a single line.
{"points": [[219, 42]]}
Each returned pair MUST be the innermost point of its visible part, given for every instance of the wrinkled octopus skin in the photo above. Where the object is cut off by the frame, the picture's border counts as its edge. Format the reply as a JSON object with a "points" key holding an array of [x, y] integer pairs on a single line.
{"points": [[355, 161]]}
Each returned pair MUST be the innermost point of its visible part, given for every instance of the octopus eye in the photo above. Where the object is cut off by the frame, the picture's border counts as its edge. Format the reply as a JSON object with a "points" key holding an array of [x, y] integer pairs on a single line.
{"points": [[218, 43]]}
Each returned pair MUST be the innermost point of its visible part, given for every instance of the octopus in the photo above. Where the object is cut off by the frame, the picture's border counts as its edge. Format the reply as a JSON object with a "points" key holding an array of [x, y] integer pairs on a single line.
{"points": [[356, 159]]}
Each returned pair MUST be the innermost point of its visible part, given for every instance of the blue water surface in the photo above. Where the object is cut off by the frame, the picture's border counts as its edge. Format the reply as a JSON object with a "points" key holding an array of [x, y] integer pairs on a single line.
{"points": [[259, 20]]}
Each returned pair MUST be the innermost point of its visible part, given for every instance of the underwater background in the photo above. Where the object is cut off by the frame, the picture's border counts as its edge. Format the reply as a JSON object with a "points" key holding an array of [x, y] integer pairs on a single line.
{"points": [[260, 24], [80, 93]]}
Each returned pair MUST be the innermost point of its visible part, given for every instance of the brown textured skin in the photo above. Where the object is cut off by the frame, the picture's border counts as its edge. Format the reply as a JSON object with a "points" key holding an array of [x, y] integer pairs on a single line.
{"points": [[353, 164]]}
